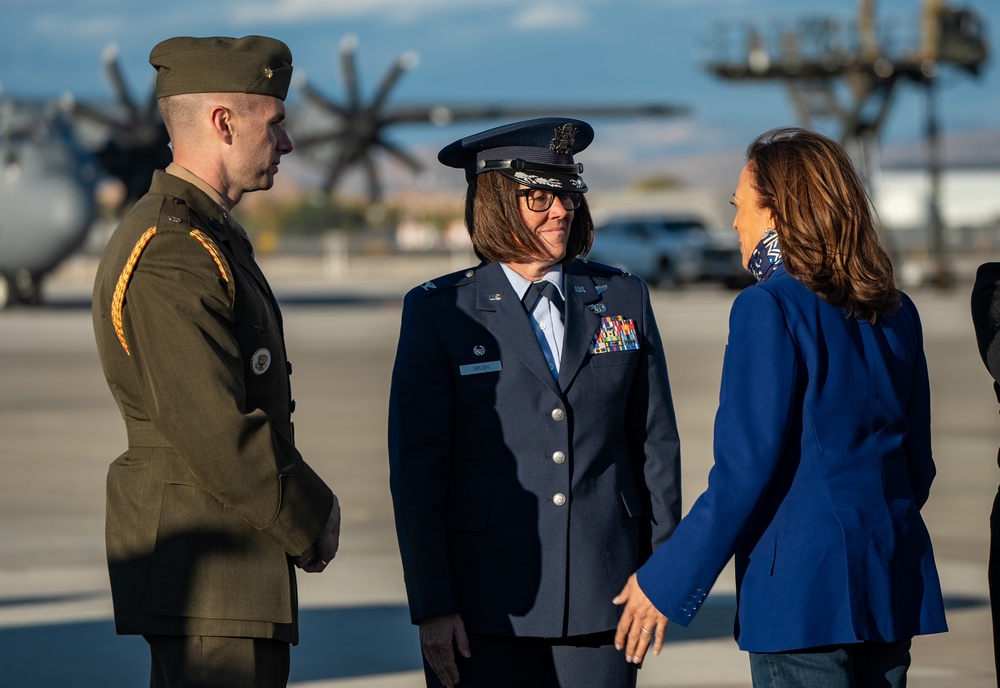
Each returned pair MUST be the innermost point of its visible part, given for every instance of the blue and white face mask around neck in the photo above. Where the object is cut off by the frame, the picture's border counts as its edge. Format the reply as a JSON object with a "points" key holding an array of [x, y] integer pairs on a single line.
{"points": [[765, 258]]}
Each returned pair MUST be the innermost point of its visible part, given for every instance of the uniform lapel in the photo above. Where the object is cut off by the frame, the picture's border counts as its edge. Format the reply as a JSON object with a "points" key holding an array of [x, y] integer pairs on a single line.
{"points": [[234, 236], [510, 323], [581, 321]]}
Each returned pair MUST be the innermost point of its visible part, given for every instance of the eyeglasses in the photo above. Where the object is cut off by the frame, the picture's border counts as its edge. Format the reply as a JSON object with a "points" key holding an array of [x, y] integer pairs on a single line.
{"points": [[540, 200]]}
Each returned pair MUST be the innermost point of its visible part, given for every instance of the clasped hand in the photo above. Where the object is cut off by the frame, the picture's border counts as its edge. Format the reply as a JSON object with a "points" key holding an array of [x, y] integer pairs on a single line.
{"points": [[321, 553]]}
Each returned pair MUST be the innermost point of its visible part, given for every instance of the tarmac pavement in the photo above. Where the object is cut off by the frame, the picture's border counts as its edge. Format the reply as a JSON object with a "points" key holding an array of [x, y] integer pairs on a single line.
{"points": [[59, 429]]}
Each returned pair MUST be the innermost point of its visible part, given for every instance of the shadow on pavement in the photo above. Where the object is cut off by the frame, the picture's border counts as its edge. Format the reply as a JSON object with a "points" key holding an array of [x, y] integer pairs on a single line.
{"points": [[340, 642], [315, 299]]}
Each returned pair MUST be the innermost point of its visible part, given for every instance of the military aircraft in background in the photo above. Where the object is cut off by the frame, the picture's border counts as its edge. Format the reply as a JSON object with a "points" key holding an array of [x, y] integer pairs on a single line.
{"points": [[53, 154], [128, 139], [342, 135], [848, 74], [47, 195]]}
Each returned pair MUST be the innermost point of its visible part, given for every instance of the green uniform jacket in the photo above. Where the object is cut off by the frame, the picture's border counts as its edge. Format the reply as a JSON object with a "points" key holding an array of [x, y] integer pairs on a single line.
{"points": [[211, 497]]}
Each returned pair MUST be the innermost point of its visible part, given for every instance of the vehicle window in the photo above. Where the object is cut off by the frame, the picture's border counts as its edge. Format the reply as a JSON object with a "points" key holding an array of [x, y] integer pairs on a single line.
{"points": [[680, 227]]}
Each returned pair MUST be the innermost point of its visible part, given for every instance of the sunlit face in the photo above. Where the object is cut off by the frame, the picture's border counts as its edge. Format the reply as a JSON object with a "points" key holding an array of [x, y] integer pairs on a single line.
{"points": [[752, 222], [550, 226], [259, 142]]}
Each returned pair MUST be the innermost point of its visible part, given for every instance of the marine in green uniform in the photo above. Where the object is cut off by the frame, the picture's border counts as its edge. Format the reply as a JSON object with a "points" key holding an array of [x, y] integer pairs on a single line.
{"points": [[211, 506]]}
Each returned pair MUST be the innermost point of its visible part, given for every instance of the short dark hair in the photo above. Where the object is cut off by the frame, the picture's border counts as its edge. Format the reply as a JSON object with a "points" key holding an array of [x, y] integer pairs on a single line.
{"points": [[493, 220], [827, 227]]}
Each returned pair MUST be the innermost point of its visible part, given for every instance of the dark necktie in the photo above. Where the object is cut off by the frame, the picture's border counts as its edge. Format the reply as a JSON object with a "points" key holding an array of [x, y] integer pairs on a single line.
{"points": [[539, 289]]}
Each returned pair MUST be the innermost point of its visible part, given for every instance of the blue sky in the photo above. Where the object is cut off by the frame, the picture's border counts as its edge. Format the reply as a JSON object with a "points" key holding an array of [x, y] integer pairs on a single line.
{"points": [[502, 52]]}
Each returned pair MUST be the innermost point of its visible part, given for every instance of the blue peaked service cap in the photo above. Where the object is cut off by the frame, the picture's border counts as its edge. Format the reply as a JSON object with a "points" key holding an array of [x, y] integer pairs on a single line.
{"points": [[537, 152]]}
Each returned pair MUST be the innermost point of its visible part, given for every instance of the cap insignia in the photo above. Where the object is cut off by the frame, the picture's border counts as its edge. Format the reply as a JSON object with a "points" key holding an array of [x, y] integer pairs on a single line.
{"points": [[563, 139], [268, 72]]}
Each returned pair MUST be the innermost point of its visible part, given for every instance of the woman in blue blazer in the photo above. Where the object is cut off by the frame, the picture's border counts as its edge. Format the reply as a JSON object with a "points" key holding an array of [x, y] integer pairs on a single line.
{"points": [[534, 456], [822, 444]]}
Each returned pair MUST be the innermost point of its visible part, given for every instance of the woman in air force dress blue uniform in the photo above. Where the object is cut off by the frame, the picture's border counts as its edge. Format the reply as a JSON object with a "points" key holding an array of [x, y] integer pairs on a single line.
{"points": [[533, 450]]}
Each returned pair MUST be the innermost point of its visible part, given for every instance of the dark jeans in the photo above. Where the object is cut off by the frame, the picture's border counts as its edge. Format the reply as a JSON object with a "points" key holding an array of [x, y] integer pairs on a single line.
{"points": [[859, 665], [217, 662], [574, 662]]}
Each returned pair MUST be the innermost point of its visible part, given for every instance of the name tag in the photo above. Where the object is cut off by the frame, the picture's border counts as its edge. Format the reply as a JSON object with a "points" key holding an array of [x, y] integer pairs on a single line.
{"points": [[477, 368]]}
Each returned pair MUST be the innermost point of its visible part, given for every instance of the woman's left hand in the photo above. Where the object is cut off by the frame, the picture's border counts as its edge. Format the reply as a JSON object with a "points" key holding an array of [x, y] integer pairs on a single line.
{"points": [[640, 625]]}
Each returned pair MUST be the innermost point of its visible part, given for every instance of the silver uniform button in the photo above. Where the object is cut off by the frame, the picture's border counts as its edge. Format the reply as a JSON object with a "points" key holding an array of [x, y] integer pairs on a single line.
{"points": [[558, 499], [558, 414], [559, 457]]}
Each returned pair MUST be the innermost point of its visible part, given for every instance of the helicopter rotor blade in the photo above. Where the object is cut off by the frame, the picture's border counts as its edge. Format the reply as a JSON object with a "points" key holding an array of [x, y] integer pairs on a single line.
{"points": [[335, 171], [152, 112], [320, 139], [405, 62], [118, 82], [347, 48], [78, 109], [374, 186], [361, 126], [443, 114], [321, 101], [401, 155]]}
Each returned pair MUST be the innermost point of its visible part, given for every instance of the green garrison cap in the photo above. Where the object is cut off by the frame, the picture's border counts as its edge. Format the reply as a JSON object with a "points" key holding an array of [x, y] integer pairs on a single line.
{"points": [[252, 64]]}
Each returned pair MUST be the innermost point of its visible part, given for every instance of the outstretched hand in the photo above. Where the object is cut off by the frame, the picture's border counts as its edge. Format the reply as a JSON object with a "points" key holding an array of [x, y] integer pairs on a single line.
{"points": [[640, 625]]}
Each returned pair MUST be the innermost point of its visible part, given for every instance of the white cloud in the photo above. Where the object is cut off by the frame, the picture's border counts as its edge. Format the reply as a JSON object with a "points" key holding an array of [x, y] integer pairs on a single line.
{"points": [[550, 16], [99, 26], [293, 11]]}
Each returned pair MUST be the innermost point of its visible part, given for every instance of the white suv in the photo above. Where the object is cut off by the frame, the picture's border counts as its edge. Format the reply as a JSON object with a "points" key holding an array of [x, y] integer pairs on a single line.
{"points": [[668, 250]]}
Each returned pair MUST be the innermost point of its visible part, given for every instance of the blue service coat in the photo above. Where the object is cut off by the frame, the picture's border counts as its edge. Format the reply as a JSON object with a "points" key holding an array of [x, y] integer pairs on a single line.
{"points": [[822, 463], [522, 502]]}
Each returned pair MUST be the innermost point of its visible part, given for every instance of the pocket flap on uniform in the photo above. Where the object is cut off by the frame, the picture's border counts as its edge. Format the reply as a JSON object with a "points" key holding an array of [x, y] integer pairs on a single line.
{"points": [[470, 515], [630, 500]]}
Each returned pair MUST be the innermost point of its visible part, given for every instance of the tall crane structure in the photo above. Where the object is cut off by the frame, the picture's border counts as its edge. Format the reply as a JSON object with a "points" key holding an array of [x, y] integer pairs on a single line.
{"points": [[849, 73]]}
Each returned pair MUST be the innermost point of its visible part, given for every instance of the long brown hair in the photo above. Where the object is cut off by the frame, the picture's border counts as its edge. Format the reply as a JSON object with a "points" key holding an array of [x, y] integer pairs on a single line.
{"points": [[493, 219], [827, 227]]}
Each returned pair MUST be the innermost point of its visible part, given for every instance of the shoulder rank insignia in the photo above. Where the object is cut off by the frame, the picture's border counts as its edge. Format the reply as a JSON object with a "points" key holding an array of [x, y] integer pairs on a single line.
{"points": [[428, 285]]}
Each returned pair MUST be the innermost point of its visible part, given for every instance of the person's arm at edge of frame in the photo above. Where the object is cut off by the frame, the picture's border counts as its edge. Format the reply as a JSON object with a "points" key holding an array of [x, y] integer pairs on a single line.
{"points": [[254, 470], [421, 416], [917, 442], [985, 303], [735, 486], [658, 443]]}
